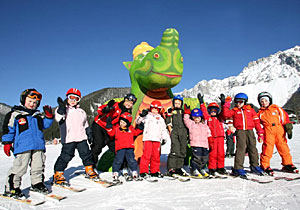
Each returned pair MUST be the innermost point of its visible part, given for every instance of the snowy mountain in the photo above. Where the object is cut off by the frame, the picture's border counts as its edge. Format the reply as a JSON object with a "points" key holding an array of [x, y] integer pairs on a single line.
{"points": [[278, 74]]}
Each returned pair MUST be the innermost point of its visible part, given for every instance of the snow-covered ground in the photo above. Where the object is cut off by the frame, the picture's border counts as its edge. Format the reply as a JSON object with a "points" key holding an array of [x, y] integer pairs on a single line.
{"points": [[231, 193]]}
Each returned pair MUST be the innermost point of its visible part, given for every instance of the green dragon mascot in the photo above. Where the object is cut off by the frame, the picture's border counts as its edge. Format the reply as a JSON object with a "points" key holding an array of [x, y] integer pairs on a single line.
{"points": [[154, 71]]}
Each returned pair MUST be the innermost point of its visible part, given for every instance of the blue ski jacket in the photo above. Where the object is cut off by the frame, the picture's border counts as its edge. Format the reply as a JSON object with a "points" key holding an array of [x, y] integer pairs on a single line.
{"points": [[24, 128]]}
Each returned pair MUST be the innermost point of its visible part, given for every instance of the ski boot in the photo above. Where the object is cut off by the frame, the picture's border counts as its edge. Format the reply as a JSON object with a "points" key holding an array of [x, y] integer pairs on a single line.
{"points": [[59, 179], [171, 172], [135, 176], [269, 171], [212, 172], [39, 187], [157, 174], [144, 175], [196, 174], [290, 169], [90, 173], [204, 173], [15, 193], [222, 171], [181, 172], [239, 173], [257, 170]]}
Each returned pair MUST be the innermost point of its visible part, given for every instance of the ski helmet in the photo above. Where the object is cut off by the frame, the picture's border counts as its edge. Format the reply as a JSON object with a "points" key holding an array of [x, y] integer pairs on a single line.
{"points": [[73, 91], [241, 96], [31, 93], [197, 113], [127, 117], [130, 97], [212, 106], [265, 94], [178, 97], [155, 104]]}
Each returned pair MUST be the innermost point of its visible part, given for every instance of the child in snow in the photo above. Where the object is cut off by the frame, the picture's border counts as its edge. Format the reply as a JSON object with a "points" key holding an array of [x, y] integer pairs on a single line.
{"points": [[199, 134], [124, 135], [244, 120], [23, 134], [155, 133], [216, 141], [230, 141], [178, 131], [276, 124], [73, 124]]}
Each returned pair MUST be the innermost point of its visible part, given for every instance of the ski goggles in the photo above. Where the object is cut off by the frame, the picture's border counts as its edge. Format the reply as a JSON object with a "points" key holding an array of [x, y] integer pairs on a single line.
{"points": [[35, 95], [239, 101], [74, 98]]}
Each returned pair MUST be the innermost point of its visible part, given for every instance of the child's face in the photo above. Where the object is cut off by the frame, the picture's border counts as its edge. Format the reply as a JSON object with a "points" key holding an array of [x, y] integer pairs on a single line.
{"points": [[128, 104], [197, 119], [239, 104], [177, 104], [154, 110], [213, 112], [73, 100], [31, 103], [123, 124], [264, 103]]}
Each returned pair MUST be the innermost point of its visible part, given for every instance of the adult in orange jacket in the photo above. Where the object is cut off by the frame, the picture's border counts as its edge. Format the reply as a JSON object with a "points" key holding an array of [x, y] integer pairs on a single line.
{"points": [[276, 124], [244, 120]]}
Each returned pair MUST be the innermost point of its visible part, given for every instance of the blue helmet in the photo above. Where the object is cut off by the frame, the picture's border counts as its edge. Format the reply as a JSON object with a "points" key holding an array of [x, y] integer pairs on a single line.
{"points": [[178, 97], [241, 96], [197, 113]]}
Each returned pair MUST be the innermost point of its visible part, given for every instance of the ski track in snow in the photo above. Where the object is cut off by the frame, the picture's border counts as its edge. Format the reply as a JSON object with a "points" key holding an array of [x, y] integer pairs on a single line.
{"points": [[216, 194]]}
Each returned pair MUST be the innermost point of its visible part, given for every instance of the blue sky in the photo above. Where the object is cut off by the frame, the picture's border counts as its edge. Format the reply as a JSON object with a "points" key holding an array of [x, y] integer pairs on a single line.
{"points": [[58, 44]]}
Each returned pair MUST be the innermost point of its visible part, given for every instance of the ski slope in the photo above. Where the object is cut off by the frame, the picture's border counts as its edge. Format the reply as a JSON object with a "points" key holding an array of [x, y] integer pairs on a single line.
{"points": [[231, 193]]}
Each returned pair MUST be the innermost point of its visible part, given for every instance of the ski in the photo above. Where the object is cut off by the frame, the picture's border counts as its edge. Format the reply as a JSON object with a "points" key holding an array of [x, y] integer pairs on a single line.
{"points": [[259, 181], [74, 189], [150, 179], [50, 195], [286, 178], [103, 182], [26, 201], [181, 178]]}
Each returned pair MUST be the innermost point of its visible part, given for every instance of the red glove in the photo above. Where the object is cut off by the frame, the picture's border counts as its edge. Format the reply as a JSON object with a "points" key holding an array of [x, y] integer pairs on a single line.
{"points": [[48, 111], [7, 148], [187, 109]]}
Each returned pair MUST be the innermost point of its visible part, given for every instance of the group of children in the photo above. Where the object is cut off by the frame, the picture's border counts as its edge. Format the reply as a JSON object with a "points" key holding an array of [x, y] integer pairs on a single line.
{"points": [[24, 124]]}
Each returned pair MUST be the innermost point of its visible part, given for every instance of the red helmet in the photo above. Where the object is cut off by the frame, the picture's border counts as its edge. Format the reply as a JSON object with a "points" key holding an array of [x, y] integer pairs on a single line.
{"points": [[155, 104], [73, 91], [213, 105], [127, 117]]}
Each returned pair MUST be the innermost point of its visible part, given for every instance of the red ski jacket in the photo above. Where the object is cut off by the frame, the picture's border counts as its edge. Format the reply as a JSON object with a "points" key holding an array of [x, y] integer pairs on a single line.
{"points": [[123, 139], [243, 119], [215, 123], [115, 113]]}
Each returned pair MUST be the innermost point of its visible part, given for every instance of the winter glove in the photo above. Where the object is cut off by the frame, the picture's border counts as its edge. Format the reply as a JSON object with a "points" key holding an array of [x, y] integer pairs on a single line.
{"points": [[261, 138], [222, 99], [109, 123], [110, 106], [163, 142], [62, 109], [7, 148], [89, 134], [170, 110], [210, 143], [289, 130], [144, 113], [200, 98], [140, 126], [48, 111], [187, 109]]}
